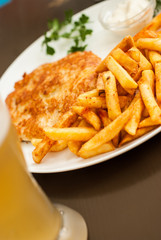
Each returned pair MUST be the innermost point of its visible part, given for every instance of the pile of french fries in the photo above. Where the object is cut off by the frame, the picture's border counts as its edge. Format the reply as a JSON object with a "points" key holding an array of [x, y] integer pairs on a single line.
{"points": [[125, 104]]}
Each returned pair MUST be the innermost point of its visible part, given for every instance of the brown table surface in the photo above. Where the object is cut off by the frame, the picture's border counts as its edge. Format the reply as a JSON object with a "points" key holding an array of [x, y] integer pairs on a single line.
{"points": [[120, 199]]}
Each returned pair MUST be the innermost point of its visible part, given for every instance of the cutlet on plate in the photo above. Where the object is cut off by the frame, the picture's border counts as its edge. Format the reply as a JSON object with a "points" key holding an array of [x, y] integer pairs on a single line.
{"points": [[44, 95]]}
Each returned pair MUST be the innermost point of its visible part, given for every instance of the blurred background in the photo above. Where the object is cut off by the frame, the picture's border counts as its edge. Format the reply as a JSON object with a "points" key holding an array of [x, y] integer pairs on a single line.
{"points": [[23, 21]]}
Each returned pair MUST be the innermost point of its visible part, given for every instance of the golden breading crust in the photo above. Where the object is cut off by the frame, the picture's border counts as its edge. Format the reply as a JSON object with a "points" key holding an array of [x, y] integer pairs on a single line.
{"points": [[44, 95]]}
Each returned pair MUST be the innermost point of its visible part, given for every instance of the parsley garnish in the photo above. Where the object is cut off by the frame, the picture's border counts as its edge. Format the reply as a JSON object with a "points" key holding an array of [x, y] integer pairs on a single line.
{"points": [[78, 32], [158, 7]]}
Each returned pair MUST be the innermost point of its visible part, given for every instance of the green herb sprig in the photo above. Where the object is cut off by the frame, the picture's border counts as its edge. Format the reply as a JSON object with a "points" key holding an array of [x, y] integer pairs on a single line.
{"points": [[78, 32], [157, 7]]}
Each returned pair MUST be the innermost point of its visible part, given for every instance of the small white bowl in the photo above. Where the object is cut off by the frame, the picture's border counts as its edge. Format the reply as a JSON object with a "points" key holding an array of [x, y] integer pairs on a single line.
{"points": [[131, 25]]}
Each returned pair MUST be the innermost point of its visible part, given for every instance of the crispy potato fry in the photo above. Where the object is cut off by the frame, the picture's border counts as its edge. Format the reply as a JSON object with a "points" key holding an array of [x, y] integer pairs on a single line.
{"points": [[146, 54], [140, 58], [147, 122], [125, 45], [104, 148], [121, 91], [70, 134], [112, 99], [149, 99], [154, 57], [56, 147], [74, 146], [149, 76], [44, 146], [42, 149], [104, 117], [158, 34], [134, 53], [89, 115], [154, 25], [116, 140], [125, 61], [146, 34], [121, 74], [92, 102], [92, 93], [125, 101], [106, 121], [133, 123], [109, 132], [158, 80], [149, 43], [145, 113], [100, 84], [140, 132]]}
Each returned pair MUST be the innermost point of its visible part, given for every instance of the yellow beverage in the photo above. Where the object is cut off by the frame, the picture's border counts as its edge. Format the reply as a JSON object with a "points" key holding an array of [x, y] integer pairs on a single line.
{"points": [[25, 211]]}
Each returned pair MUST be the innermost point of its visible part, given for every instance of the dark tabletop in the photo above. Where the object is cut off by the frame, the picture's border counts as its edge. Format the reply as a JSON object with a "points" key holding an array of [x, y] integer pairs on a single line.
{"points": [[120, 199]]}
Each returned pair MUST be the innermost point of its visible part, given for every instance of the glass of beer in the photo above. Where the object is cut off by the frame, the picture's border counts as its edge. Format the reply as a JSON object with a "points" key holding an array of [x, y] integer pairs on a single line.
{"points": [[25, 211]]}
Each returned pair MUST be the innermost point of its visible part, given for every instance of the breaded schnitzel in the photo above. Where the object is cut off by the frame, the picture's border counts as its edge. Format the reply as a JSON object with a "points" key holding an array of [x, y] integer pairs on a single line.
{"points": [[44, 95]]}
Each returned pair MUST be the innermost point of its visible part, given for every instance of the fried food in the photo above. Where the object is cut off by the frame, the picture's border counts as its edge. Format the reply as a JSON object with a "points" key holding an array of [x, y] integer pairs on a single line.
{"points": [[44, 95], [110, 102]]}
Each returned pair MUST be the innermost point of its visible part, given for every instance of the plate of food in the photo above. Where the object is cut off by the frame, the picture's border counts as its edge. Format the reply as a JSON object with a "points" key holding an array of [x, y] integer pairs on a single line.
{"points": [[75, 110]]}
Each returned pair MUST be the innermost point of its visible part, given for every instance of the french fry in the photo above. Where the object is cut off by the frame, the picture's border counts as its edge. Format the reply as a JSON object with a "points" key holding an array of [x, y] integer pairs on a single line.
{"points": [[124, 101], [89, 115], [112, 99], [116, 140], [92, 102], [146, 34], [140, 58], [140, 132], [45, 145], [158, 80], [56, 147], [154, 25], [133, 123], [106, 121], [74, 146], [145, 113], [121, 74], [109, 132], [92, 93], [147, 122], [70, 134], [149, 43], [100, 84], [146, 54], [104, 117], [125, 45], [104, 148], [121, 91], [154, 57], [134, 53], [149, 76], [158, 34], [149, 99], [125, 61]]}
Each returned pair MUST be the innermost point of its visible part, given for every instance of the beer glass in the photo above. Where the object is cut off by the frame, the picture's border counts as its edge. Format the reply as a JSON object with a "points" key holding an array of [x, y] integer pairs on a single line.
{"points": [[25, 211]]}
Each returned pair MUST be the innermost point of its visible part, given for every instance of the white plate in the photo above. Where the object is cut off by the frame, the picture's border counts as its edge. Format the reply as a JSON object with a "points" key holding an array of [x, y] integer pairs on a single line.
{"points": [[101, 42]]}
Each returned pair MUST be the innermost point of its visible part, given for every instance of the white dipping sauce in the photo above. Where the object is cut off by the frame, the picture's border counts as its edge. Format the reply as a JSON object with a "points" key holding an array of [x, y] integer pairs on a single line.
{"points": [[126, 10]]}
